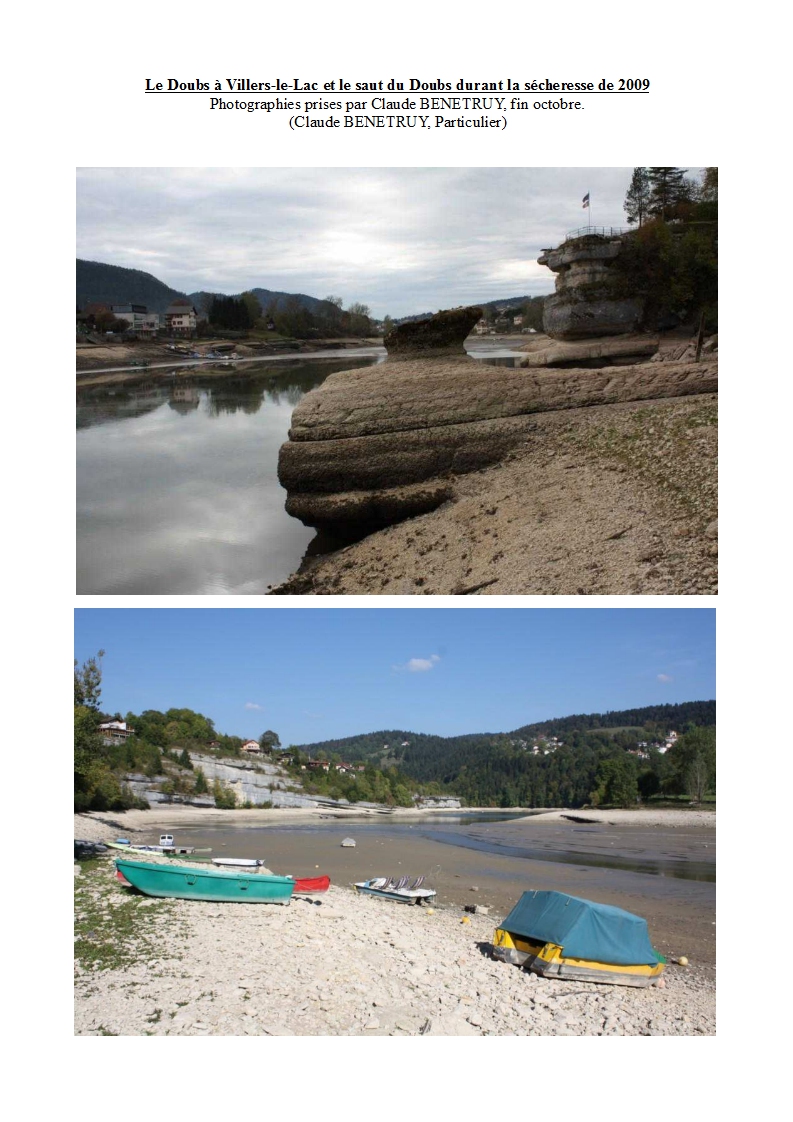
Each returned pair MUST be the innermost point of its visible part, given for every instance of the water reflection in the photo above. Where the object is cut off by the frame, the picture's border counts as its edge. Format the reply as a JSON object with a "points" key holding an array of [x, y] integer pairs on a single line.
{"points": [[177, 485]]}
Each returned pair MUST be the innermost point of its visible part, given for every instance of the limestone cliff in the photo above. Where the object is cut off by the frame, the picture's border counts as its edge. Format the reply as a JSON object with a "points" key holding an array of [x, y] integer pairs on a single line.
{"points": [[584, 304]]}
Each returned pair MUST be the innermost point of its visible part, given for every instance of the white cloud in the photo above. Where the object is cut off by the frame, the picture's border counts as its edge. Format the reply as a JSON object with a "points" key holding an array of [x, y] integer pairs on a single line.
{"points": [[419, 665], [665, 678], [252, 705]]}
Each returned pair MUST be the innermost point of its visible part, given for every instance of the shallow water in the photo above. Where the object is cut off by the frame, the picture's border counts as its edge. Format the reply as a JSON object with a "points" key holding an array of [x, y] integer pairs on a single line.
{"points": [[558, 845], [177, 485]]}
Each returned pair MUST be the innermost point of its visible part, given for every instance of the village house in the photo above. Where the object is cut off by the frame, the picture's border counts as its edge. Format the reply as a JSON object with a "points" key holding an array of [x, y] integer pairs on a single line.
{"points": [[251, 746], [181, 318], [115, 732]]}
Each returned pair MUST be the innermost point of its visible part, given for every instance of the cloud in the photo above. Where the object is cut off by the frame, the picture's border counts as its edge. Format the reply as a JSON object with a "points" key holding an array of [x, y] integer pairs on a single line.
{"points": [[419, 665], [665, 678], [252, 705], [403, 240]]}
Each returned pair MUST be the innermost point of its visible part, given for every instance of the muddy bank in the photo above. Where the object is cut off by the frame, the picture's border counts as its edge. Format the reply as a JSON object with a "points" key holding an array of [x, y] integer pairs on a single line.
{"points": [[100, 356], [614, 499], [606, 861]]}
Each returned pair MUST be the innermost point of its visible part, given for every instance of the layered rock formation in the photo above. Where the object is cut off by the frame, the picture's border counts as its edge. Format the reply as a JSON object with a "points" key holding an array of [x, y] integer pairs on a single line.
{"points": [[584, 303], [373, 446]]}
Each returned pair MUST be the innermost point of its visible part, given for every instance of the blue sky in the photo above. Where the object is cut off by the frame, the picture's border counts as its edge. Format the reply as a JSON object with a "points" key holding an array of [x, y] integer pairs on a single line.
{"points": [[319, 673]]}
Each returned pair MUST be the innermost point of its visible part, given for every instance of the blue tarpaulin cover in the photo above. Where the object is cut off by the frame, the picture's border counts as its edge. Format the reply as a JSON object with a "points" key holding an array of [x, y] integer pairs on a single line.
{"points": [[582, 929]]}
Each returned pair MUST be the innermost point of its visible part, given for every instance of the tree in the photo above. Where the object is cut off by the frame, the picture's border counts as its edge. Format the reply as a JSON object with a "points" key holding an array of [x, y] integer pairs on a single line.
{"points": [[693, 761], [388, 325], [616, 782], [668, 188], [201, 786], [251, 302], [225, 799], [709, 191], [184, 760], [269, 740], [88, 681], [637, 199]]}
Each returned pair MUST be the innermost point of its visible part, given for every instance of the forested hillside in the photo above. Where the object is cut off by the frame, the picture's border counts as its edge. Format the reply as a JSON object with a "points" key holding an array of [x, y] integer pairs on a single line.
{"points": [[597, 757], [109, 284]]}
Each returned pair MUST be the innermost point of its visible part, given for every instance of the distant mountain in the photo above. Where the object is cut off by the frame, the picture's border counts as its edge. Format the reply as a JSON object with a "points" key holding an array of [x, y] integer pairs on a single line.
{"points": [[485, 768], [265, 296], [110, 284], [500, 305], [98, 283]]}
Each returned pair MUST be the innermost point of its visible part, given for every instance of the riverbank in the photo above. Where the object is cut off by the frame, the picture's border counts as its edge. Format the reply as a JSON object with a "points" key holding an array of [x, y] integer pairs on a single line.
{"points": [[336, 965], [616, 499], [659, 864], [102, 356]]}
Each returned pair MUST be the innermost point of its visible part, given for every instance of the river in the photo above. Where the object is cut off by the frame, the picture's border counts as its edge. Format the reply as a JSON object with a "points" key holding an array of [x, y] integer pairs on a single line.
{"points": [[177, 486]]}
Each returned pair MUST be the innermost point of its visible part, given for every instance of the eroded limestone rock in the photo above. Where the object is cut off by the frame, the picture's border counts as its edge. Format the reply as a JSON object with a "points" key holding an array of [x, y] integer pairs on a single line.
{"points": [[373, 446]]}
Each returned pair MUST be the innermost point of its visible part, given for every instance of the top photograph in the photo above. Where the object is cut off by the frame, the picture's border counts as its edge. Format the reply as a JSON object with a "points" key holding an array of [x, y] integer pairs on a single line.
{"points": [[397, 381]]}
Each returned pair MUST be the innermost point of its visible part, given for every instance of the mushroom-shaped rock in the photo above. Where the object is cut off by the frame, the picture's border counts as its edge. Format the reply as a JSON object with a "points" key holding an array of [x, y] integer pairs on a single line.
{"points": [[372, 446]]}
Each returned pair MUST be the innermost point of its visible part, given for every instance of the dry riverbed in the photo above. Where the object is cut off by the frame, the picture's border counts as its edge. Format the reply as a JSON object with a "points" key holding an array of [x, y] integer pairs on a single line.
{"points": [[345, 965], [618, 499], [335, 965]]}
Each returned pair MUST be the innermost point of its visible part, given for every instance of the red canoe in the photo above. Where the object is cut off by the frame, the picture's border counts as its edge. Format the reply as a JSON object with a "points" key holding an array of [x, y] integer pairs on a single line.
{"points": [[311, 884]]}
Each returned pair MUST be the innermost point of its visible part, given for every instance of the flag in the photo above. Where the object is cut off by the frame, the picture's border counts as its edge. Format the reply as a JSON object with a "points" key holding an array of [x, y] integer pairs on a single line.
{"points": [[585, 202]]}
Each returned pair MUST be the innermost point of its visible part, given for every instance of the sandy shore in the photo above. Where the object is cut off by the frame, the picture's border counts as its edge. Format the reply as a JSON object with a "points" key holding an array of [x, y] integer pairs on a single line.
{"points": [[336, 965]]}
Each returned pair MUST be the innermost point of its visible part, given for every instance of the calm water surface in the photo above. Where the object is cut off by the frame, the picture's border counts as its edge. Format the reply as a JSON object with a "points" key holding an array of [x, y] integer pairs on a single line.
{"points": [[177, 486]]}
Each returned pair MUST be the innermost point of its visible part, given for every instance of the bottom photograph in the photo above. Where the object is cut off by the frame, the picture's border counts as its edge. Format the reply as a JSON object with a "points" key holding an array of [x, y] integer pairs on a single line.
{"points": [[382, 822]]}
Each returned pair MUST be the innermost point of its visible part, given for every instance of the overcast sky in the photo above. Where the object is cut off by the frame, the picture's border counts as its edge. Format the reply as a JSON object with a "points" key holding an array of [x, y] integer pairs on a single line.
{"points": [[402, 240]]}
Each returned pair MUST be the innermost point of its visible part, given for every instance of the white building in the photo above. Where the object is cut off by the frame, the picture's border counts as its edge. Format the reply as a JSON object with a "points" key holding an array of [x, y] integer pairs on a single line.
{"points": [[115, 732], [251, 746], [138, 317]]}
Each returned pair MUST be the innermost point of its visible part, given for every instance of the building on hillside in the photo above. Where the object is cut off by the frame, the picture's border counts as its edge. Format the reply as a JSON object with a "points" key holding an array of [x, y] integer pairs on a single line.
{"points": [[139, 318], [115, 732], [181, 318], [251, 746]]}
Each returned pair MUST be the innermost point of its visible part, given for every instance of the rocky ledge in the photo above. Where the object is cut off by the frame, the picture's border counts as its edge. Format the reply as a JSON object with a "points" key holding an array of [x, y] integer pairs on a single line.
{"points": [[374, 446]]}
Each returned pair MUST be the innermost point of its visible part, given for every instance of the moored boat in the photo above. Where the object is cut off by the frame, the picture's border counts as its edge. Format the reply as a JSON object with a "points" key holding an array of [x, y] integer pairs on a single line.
{"points": [[206, 884], [560, 936], [348, 843], [400, 890]]}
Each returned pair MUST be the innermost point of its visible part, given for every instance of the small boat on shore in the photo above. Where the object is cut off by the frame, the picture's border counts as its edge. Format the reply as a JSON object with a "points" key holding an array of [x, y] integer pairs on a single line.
{"points": [[166, 850], [398, 889], [311, 886], [348, 843], [206, 884], [238, 862], [560, 936]]}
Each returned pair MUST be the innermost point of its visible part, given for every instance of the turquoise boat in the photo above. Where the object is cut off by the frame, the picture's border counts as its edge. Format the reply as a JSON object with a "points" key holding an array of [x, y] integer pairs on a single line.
{"points": [[206, 884]]}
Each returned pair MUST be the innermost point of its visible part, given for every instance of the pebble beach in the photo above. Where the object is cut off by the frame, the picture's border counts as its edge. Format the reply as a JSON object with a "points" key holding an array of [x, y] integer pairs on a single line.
{"points": [[341, 964]]}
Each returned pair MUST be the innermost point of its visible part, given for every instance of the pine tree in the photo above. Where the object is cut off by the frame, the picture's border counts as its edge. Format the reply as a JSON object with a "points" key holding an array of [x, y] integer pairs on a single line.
{"points": [[668, 187], [638, 197]]}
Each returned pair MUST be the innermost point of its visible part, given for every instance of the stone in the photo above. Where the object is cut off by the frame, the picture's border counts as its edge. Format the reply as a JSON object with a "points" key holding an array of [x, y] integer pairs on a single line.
{"points": [[584, 304], [373, 446]]}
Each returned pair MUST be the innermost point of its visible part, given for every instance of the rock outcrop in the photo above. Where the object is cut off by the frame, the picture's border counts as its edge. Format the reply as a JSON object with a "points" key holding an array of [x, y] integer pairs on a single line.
{"points": [[617, 350], [371, 447], [584, 304]]}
